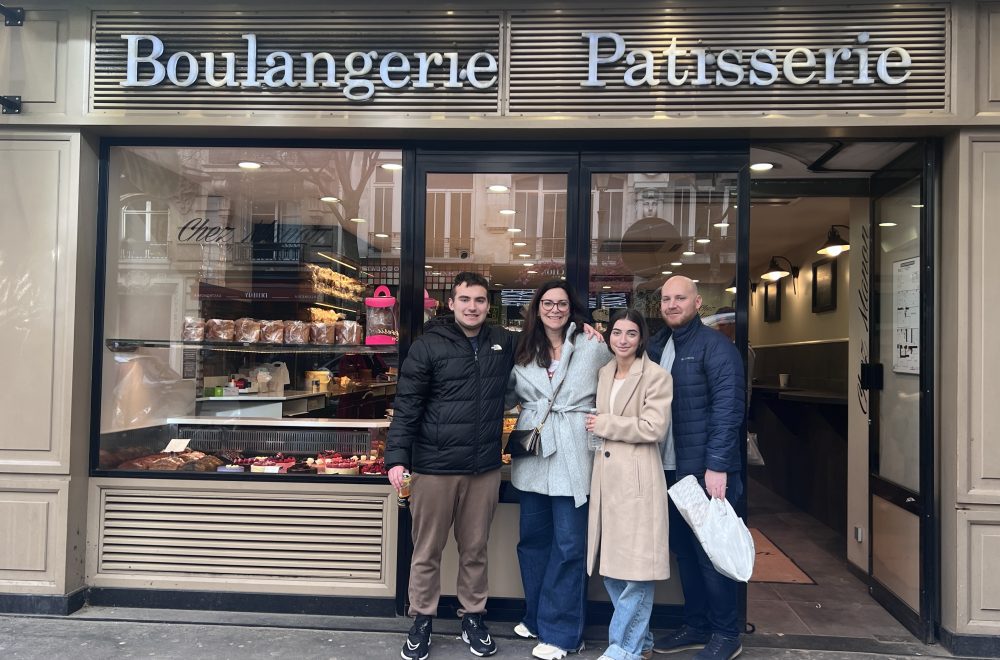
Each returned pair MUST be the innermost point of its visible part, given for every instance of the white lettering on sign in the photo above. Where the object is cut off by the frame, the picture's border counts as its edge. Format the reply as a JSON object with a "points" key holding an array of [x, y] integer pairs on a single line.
{"points": [[761, 67], [395, 70]]}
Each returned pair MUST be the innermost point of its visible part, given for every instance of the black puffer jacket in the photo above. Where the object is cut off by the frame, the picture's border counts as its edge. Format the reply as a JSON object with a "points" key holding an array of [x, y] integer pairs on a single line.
{"points": [[449, 401]]}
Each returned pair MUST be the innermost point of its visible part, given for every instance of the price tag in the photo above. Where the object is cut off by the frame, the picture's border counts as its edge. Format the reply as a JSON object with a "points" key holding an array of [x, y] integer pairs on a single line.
{"points": [[176, 445]]}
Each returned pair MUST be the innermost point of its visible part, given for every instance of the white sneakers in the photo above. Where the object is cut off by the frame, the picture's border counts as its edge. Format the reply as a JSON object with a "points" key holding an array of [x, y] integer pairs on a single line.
{"points": [[545, 651], [521, 630]]}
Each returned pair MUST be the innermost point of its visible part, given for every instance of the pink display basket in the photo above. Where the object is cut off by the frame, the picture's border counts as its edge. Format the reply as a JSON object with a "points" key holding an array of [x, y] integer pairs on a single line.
{"points": [[381, 326]]}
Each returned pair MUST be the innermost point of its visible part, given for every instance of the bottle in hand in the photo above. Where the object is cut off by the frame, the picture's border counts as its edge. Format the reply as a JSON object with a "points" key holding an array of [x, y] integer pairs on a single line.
{"points": [[403, 496]]}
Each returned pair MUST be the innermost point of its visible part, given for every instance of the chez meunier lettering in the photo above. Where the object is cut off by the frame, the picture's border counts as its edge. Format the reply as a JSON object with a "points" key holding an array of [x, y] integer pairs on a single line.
{"points": [[201, 230], [396, 71]]}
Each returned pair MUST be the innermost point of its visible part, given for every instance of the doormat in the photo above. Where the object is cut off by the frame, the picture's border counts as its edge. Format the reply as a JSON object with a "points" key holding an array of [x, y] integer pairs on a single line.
{"points": [[773, 565]]}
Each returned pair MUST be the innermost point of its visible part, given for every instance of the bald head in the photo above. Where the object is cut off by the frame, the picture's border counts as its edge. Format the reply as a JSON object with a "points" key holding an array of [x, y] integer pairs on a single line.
{"points": [[679, 301]]}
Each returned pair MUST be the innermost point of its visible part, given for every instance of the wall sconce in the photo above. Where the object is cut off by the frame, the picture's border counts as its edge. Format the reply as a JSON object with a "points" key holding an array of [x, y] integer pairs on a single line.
{"points": [[835, 243], [776, 271], [732, 287]]}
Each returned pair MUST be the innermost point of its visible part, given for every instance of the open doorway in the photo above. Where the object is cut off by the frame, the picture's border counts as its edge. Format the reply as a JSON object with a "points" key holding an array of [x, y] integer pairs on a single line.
{"points": [[834, 493]]}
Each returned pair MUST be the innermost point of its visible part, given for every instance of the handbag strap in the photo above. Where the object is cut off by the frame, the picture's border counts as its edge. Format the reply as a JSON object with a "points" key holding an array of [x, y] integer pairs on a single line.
{"points": [[552, 401]]}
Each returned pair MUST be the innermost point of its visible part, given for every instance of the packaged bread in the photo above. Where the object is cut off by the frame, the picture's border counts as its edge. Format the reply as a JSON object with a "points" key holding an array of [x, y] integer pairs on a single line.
{"points": [[349, 333], [323, 333], [220, 330], [272, 332], [296, 332], [194, 329], [247, 330]]}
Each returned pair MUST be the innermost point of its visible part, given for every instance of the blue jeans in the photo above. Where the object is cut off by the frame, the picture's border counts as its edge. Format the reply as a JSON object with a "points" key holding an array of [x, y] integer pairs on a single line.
{"points": [[552, 553], [711, 600], [628, 634]]}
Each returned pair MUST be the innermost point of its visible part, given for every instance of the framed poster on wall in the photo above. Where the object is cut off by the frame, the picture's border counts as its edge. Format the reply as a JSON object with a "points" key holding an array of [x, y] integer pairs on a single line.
{"points": [[824, 285], [772, 301], [906, 316]]}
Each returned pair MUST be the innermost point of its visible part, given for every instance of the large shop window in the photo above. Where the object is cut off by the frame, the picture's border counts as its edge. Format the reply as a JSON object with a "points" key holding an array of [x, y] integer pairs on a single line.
{"points": [[648, 227], [250, 299]]}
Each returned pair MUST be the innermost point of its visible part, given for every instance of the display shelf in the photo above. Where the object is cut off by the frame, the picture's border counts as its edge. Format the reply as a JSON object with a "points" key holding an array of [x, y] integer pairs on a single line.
{"points": [[127, 345]]}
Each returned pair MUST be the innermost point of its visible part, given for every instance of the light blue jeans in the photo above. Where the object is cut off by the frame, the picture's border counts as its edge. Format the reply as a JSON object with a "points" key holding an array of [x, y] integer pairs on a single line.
{"points": [[628, 634]]}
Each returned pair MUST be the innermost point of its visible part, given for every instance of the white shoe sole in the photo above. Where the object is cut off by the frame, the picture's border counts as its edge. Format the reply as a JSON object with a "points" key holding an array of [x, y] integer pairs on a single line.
{"points": [[465, 638]]}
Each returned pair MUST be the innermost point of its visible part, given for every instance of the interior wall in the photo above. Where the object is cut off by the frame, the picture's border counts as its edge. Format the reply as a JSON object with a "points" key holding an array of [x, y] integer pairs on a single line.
{"points": [[798, 322]]}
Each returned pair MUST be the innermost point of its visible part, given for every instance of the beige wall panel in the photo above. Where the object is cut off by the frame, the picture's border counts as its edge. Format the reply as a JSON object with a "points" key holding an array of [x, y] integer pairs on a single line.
{"points": [[37, 285], [978, 611], [120, 507], [895, 557], [33, 62], [988, 58], [979, 453], [32, 534]]}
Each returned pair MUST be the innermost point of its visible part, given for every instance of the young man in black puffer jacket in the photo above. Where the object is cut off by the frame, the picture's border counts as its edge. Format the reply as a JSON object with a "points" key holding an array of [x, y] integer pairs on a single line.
{"points": [[447, 430]]}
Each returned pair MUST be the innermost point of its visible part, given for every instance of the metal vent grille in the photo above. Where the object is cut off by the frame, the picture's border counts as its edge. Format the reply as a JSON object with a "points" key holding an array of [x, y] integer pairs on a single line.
{"points": [[548, 58], [336, 32], [263, 535]]}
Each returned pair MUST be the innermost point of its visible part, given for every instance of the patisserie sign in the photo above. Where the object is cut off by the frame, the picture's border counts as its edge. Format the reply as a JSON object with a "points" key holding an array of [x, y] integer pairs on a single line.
{"points": [[203, 230], [608, 56]]}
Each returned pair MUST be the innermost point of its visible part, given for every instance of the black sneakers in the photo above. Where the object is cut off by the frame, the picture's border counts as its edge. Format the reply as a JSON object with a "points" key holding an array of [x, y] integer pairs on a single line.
{"points": [[418, 643], [685, 639], [477, 636], [720, 648]]}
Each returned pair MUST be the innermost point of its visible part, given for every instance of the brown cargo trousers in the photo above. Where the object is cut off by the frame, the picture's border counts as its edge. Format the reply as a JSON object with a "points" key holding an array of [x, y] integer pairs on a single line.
{"points": [[436, 503]]}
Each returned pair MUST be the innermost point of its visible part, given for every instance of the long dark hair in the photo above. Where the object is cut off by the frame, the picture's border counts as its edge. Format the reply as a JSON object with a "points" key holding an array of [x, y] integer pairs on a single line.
{"points": [[533, 344], [636, 317]]}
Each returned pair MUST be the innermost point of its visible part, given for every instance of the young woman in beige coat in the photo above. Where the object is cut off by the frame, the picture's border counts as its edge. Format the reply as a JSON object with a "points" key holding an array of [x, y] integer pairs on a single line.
{"points": [[628, 495]]}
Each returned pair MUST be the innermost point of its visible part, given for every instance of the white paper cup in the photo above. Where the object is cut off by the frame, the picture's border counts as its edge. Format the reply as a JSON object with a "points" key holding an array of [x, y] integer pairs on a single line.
{"points": [[783, 380]]}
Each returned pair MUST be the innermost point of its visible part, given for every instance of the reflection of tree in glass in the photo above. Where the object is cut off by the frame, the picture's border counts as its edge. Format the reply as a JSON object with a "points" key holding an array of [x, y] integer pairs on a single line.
{"points": [[345, 174]]}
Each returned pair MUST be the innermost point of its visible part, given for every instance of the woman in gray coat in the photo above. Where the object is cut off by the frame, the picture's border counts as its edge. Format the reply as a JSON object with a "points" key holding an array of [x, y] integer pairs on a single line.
{"points": [[554, 485]]}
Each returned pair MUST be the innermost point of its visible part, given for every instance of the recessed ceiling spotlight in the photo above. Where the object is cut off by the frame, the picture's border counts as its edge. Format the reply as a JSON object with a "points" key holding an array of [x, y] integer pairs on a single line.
{"points": [[761, 167], [721, 225], [676, 263], [330, 199], [666, 272], [524, 255], [887, 224], [696, 281], [519, 244], [498, 284], [428, 267], [498, 188], [527, 264], [917, 206], [358, 220], [249, 165], [434, 272], [514, 230], [381, 235], [688, 253], [533, 272], [703, 240], [606, 286], [507, 212], [392, 167]]}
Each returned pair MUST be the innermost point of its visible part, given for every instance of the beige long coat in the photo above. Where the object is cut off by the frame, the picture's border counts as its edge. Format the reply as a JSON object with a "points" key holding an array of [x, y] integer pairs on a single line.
{"points": [[628, 495]]}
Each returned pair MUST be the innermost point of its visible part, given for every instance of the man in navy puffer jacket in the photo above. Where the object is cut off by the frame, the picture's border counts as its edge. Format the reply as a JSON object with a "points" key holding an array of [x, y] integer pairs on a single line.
{"points": [[704, 440]]}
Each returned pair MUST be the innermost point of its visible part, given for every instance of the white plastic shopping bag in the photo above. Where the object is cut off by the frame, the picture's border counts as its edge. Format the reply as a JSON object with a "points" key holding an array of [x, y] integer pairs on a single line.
{"points": [[722, 534]]}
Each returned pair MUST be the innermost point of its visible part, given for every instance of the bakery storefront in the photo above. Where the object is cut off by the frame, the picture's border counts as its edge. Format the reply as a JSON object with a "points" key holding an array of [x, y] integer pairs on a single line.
{"points": [[223, 229]]}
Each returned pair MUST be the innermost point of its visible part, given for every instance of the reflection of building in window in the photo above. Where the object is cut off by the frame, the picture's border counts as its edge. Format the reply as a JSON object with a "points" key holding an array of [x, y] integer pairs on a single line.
{"points": [[540, 202], [384, 233], [607, 224], [144, 228], [449, 224]]}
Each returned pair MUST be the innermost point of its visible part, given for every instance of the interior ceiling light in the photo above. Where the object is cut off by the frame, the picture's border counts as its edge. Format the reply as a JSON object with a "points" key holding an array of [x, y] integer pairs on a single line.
{"points": [[529, 265], [533, 272], [519, 244], [330, 199], [381, 235], [703, 240], [887, 224], [498, 284], [249, 165], [606, 286], [514, 230], [524, 255], [688, 253], [835, 243], [696, 281], [434, 272], [507, 211], [666, 272], [428, 267], [675, 264], [498, 188], [358, 220], [721, 225], [392, 167], [917, 206], [761, 167]]}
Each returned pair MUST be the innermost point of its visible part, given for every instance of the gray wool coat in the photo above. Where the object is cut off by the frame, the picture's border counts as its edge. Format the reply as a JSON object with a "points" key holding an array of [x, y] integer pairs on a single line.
{"points": [[565, 464]]}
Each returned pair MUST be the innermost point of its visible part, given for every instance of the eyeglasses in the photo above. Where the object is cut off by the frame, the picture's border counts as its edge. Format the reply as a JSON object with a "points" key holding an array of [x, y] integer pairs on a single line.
{"points": [[561, 305]]}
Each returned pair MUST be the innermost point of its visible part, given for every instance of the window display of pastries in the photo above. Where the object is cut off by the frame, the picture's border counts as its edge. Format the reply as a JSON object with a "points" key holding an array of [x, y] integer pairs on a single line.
{"points": [[272, 332], [247, 331], [220, 330], [193, 330]]}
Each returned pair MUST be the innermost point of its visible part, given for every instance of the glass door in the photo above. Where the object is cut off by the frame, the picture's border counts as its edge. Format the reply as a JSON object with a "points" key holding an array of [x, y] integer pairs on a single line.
{"points": [[900, 381]]}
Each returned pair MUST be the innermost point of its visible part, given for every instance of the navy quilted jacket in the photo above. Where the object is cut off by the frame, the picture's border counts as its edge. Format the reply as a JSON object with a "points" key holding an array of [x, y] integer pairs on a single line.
{"points": [[709, 398]]}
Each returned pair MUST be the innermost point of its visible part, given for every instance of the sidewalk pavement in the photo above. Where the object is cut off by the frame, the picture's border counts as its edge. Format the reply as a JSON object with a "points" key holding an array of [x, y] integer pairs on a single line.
{"points": [[97, 633]]}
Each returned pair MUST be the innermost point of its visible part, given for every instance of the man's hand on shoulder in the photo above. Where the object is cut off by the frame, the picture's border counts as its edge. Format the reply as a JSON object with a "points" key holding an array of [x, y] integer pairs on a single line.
{"points": [[590, 333], [715, 484]]}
